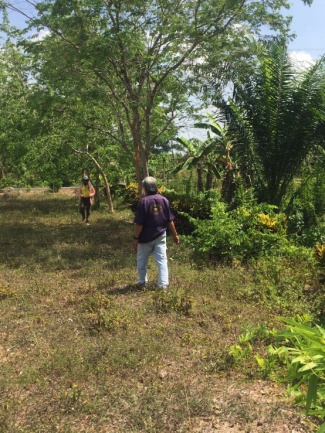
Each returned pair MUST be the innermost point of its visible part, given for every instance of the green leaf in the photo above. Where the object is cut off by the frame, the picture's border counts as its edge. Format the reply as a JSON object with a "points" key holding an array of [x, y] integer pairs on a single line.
{"points": [[312, 392], [321, 429], [308, 366], [301, 359]]}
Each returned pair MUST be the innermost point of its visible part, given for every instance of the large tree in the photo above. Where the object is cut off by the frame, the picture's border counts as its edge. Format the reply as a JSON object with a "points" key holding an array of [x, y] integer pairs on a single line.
{"points": [[142, 57], [14, 112], [276, 118]]}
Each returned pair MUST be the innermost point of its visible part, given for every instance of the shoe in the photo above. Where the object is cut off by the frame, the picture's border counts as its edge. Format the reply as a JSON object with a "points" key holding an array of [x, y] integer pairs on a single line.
{"points": [[87, 222], [141, 286], [163, 287]]}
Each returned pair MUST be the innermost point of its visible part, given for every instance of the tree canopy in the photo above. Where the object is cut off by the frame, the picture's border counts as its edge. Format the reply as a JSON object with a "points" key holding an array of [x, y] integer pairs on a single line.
{"points": [[141, 62]]}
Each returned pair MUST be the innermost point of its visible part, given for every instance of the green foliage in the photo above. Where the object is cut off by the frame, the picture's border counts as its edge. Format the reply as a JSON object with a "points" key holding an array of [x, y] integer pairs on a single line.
{"points": [[306, 210], [106, 82], [303, 351], [295, 354], [270, 152], [131, 195], [243, 348], [239, 234], [14, 114], [188, 208], [320, 254]]}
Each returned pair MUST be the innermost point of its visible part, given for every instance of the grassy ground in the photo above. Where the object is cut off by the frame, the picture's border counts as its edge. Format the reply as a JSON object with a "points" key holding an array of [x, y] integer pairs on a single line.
{"points": [[82, 350]]}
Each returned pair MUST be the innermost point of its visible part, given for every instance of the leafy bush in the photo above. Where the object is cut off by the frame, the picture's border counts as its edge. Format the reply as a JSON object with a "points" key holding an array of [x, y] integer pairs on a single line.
{"points": [[239, 234], [296, 355], [306, 210], [303, 351], [131, 195], [188, 208], [304, 226]]}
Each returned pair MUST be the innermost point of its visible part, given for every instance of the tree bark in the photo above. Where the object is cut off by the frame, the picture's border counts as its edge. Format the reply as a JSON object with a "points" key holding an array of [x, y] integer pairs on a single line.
{"points": [[199, 179]]}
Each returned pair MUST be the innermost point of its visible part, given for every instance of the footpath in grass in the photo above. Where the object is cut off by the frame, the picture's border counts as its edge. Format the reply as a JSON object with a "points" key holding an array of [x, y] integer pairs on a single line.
{"points": [[82, 350]]}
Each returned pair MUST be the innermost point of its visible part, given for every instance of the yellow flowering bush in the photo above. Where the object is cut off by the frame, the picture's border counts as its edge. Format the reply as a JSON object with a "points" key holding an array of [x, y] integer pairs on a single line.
{"points": [[319, 251], [241, 233], [274, 223]]}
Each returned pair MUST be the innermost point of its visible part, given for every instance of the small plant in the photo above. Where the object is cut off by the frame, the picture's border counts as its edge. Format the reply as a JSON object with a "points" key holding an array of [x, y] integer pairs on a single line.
{"points": [[243, 348], [112, 320], [303, 349], [319, 251], [167, 301], [104, 314], [217, 360], [299, 350], [6, 293]]}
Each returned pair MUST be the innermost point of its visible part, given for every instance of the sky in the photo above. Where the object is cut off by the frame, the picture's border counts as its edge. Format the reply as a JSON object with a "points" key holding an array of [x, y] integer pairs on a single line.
{"points": [[308, 24]]}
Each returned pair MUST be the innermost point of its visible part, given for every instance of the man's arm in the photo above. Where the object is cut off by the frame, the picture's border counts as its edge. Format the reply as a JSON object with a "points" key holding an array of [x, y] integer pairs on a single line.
{"points": [[172, 228], [137, 231]]}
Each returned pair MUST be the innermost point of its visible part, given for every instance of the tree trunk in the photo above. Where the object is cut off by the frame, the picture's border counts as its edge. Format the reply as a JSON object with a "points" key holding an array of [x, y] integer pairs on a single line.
{"points": [[228, 185], [199, 179], [138, 171], [108, 193], [141, 167], [141, 155], [209, 180], [97, 184], [3, 165]]}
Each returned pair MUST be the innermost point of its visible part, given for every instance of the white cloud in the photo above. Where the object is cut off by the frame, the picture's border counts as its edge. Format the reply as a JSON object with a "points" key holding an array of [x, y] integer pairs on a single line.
{"points": [[41, 34], [301, 59]]}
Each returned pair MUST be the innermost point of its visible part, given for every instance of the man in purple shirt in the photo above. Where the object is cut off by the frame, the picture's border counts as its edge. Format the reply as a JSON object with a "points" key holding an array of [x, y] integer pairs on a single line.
{"points": [[152, 218]]}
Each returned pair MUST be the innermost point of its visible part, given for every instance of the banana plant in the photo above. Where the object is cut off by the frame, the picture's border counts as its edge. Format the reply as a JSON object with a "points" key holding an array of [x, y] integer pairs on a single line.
{"points": [[212, 156]]}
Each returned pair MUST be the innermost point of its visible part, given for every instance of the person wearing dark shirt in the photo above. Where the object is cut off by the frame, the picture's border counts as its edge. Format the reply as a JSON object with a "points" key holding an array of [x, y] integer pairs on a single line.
{"points": [[152, 218]]}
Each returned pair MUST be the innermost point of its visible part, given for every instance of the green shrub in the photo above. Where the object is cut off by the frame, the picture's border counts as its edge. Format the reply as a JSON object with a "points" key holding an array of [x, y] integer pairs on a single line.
{"points": [[187, 208], [306, 210], [303, 352], [131, 195], [239, 234], [295, 354], [304, 226]]}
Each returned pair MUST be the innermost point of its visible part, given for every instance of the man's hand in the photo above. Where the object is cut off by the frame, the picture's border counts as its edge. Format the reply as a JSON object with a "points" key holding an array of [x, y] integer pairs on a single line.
{"points": [[135, 244], [176, 239]]}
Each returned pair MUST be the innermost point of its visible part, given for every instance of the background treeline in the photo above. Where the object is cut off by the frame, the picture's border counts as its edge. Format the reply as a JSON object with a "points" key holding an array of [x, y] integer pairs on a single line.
{"points": [[108, 88]]}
